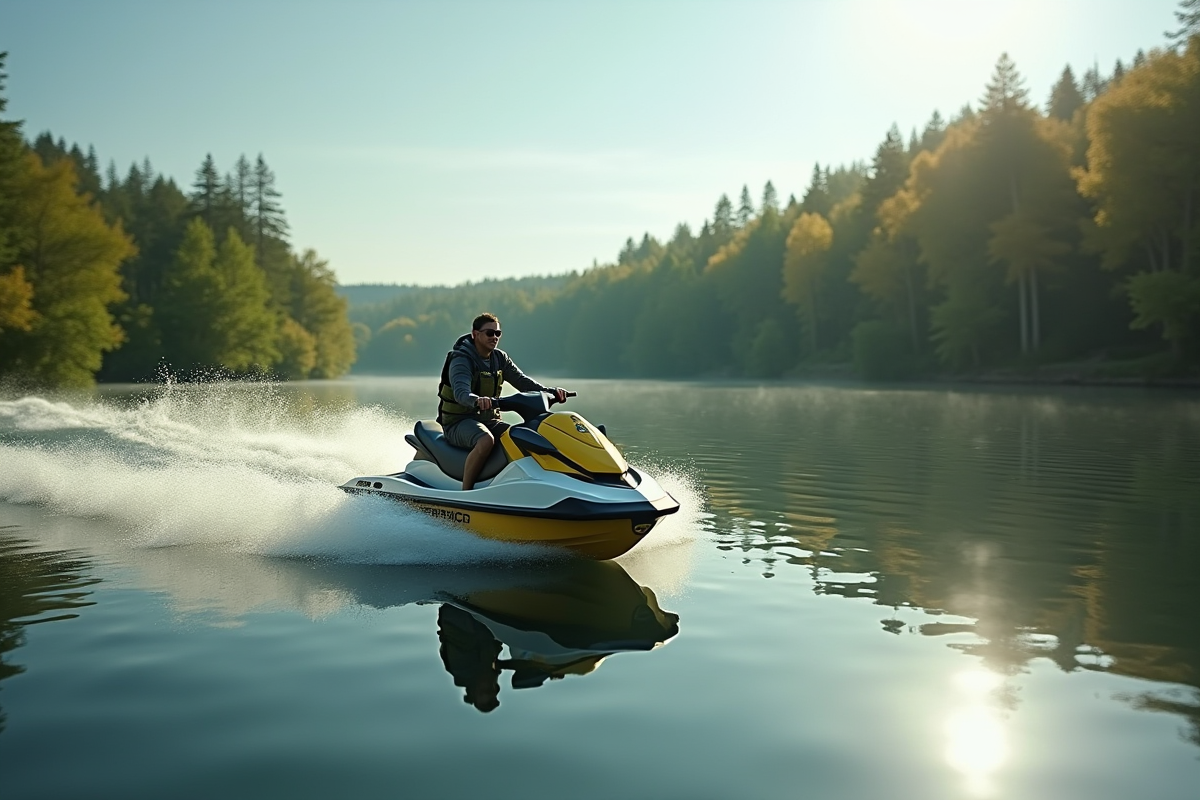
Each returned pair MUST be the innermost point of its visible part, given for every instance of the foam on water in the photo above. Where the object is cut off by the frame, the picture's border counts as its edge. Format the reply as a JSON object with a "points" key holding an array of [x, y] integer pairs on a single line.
{"points": [[228, 466], [242, 468]]}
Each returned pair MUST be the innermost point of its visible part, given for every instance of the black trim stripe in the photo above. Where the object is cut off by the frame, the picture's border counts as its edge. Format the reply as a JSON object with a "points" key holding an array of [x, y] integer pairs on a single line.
{"points": [[572, 509]]}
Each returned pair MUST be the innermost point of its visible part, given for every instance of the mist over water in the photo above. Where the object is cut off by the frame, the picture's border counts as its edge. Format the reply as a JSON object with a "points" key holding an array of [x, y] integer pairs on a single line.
{"points": [[243, 468]]}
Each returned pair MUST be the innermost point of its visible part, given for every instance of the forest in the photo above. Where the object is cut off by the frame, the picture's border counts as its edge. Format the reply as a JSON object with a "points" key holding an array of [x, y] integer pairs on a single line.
{"points": [[1010, 239], [127, 278]]}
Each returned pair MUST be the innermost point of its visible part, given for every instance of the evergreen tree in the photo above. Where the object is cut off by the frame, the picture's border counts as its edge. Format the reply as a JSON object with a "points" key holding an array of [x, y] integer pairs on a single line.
{"points": [[269, 229], [745, 211], [723, 217], [888, 173], [1006, 91], [206, 191], [743, 286], [266, 213], [241, 189], [628, 252], [770, 201], [1188, 17], [1065, 97], [1093, 84], [189, 302], [1118, 72], [816, 197], [934, 133]]}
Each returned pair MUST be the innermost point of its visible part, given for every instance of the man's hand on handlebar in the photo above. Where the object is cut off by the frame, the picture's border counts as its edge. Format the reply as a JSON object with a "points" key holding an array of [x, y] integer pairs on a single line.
{"points": [[483, 403]]}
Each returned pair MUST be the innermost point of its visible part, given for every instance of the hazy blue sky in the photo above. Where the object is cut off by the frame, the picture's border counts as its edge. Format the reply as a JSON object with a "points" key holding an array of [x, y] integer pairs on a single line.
{"points": [[423, 142]]}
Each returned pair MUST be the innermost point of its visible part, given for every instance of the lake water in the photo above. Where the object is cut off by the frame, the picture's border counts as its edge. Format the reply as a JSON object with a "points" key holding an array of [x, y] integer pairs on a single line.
{"points": [[902, 593]]}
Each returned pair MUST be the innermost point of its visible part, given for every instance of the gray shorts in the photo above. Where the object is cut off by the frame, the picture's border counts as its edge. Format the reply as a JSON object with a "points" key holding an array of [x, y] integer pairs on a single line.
{"points": [[465, 433]]}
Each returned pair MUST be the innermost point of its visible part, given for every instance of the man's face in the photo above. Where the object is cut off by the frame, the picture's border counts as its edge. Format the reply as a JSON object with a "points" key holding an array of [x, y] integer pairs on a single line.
{"points": [[487, 337]]}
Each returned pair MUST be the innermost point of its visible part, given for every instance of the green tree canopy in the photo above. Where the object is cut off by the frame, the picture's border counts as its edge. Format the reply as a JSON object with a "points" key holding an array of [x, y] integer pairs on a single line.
{"points": [[71, 259], [808, 242]]}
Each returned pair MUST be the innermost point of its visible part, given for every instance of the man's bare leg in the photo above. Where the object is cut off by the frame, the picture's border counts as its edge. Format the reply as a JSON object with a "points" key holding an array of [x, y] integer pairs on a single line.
{"points": [[478, 455]]}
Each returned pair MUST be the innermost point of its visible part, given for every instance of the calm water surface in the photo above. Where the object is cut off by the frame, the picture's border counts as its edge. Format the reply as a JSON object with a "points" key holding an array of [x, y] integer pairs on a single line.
{"points": [[868, 593]]}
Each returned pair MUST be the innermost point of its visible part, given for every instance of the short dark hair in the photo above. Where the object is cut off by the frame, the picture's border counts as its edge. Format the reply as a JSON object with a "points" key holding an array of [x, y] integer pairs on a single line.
{"points": [[482, 318]]}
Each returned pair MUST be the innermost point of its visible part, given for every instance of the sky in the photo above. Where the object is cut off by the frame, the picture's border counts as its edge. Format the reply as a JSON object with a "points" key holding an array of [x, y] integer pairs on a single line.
{"points": [[459, 140]]}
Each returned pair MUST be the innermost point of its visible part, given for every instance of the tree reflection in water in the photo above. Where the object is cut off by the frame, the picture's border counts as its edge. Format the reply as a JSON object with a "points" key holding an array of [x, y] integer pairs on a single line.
{"points": [[1043, 526], [35, 587]]}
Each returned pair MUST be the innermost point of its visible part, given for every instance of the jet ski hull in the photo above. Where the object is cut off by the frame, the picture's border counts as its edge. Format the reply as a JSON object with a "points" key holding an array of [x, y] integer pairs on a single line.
{"points": [[529, 505]]}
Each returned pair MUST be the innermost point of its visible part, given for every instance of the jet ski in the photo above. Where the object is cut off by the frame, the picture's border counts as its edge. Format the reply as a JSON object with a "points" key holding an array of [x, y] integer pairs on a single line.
{"points": [[553, 479]]}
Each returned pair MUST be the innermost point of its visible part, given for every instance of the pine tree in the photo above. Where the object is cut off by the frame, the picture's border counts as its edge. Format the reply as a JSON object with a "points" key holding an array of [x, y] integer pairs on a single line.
{"points": [[816, 197], [745, 211], [888, 173], [1188, 17], [241, 194], [189, 301], [266, 213], [723, 217], [1093, 84], [628, 252], [206, 191], [1065, 97], [1006, 91], [89, 173], [770, 201], [934, 133]]}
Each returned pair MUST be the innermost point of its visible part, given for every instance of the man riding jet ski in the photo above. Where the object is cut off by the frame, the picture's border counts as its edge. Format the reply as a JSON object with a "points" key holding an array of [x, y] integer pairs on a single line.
{"points": [[556, 479], [471, 377]]}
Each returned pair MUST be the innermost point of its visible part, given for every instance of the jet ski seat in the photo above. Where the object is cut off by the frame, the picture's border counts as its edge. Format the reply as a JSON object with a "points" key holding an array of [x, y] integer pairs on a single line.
{"points": [[431, 445]]}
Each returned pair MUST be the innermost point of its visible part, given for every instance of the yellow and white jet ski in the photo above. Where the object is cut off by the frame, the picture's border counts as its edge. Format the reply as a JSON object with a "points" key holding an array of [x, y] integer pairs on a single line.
{"points": [[554, 479]]}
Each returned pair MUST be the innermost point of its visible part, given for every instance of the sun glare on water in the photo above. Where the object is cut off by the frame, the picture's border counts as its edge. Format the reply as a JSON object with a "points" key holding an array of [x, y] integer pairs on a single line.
{"points": [[976, 745]]}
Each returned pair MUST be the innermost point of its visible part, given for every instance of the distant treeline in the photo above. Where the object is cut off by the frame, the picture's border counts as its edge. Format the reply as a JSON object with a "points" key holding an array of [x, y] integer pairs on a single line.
{"points": [[1007, 237], [120, 277]]}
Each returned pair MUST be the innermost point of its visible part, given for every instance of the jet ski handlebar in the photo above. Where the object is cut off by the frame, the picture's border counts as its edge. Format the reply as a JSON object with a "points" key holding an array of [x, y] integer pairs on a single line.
{"points": [[552, 399], [528, 404]]}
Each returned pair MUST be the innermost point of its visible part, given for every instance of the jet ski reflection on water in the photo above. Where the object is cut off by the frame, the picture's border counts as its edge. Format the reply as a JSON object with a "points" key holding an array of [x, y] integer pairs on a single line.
{"points": [[563, 623], [555, 479], [556, 619]]}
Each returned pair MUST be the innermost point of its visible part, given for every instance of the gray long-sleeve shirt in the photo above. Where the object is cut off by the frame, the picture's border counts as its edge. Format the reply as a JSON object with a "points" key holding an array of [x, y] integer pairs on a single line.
{"points": [[460, 377]]}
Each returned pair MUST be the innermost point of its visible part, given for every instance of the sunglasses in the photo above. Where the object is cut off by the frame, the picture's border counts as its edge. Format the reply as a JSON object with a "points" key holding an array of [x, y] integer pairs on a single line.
{"points": [[491, 332]]}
